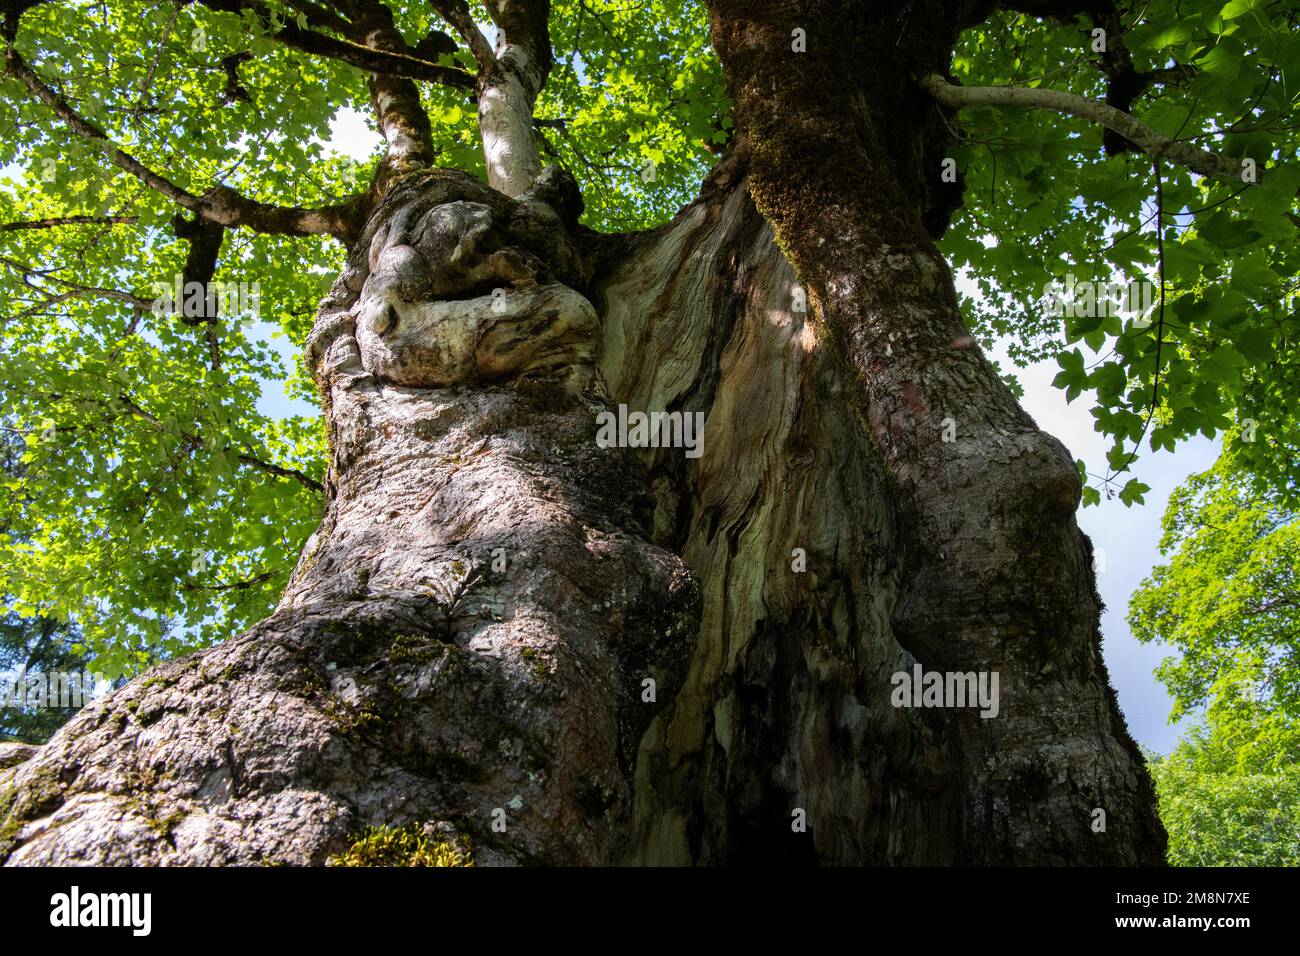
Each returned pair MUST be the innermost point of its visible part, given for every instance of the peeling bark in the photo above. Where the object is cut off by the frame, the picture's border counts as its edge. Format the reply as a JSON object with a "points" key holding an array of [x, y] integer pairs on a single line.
{"points": [[786, 706]]}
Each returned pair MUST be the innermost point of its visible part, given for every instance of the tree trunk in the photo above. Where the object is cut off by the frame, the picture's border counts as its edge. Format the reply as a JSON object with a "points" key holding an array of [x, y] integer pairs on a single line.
{"points": [[566, 653], [479, 632]]}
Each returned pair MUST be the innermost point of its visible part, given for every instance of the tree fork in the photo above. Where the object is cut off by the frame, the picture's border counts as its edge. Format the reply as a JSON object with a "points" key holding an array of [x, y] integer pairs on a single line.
{"points": [[676, 661]]}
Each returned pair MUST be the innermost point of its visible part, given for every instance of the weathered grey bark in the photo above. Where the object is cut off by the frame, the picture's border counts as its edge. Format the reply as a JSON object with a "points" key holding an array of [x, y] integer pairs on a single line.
{"points": [[827, 538], [787, 703]]}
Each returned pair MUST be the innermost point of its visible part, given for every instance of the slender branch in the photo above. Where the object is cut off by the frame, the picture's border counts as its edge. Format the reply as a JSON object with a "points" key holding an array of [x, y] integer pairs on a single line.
{"points": [[71, 290], [220, 204], [281, 472], [1160, 321], [233, 586], [56, 221], [271, 469], [457, 15], [157, 57], [1144, 137]]}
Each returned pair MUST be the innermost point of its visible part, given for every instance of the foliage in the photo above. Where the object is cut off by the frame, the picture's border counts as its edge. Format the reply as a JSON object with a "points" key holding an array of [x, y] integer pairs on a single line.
{"points": [[28, 646], [1045, 200], [1219, 815], [634, 83], [33, 645], [1228, 601]]}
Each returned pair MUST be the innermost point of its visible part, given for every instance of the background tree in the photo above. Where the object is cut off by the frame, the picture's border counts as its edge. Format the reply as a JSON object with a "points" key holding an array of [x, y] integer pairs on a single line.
{"points": [[1228, 602], [31, 645], [574, 654]]}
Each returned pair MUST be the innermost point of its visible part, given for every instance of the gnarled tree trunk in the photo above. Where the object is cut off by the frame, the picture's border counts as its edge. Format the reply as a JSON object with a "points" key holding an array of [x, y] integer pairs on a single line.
{"points": [[576, 654]]}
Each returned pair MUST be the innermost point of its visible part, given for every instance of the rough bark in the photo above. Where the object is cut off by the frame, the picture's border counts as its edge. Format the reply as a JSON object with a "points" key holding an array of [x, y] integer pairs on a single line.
{"points": [[467, 637], [996, 576]]}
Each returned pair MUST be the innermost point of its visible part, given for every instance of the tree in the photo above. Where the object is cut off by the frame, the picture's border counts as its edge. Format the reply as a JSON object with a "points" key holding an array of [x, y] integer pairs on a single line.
{"points": [[1229, 602], [504, 630], [1219, 813], [34, 646]]}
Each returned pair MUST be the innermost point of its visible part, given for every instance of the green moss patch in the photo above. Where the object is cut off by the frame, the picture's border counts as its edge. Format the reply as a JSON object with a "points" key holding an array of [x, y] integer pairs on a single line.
{"points": [[405, 846]]}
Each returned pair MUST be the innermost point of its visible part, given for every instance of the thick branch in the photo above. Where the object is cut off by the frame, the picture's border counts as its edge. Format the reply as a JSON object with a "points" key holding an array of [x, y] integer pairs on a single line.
{"points": [[205, 240], [402, 119], [508, 93], [321, 16], [1147, 139]]}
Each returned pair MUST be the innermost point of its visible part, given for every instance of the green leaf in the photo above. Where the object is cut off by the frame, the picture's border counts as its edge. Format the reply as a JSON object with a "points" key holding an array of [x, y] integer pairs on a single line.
{"points": [[1132, 492]]}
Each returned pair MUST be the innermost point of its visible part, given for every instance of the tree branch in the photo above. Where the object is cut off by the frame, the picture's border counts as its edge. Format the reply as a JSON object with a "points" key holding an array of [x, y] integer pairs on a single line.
{"points": [[72, 290], [402, 119], [508, 93], [321, 16], [56, 221], [204, 238], [1124, 82], [457, 15], [396, 60], [233, 586], [221, 204], [271, 469], [281, 472], [1144, 137]]}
